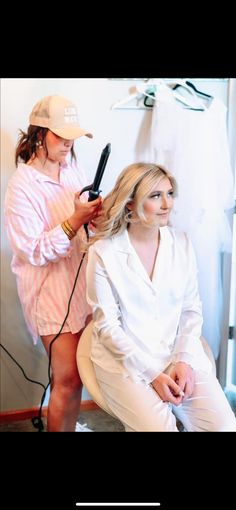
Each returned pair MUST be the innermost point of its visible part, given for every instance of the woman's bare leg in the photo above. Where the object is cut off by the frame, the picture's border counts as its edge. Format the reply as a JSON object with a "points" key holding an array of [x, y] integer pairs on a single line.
{"points": [[66, 390]]}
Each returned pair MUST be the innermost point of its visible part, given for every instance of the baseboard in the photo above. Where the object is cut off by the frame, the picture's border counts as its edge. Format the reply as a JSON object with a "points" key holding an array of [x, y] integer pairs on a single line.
{"points": [[27, 414], [89, 405], [21, 414]]}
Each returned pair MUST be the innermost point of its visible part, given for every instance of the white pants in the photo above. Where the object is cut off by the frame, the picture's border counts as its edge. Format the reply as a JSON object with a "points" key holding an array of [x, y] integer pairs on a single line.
{"points": [[140, 409]]}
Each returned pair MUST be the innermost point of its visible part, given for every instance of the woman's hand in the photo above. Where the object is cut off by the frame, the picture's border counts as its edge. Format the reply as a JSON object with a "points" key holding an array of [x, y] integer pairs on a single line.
{"points": [[84, 212], [167, 389], [183, 375]]}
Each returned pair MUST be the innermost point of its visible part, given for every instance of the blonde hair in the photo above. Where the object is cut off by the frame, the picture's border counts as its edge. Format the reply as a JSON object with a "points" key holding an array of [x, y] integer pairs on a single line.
{"points": [[133, 184]]}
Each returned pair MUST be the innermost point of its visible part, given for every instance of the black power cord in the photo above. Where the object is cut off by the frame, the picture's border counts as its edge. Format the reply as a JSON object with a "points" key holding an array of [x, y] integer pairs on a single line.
{"points": [[37, 422], [20, 367]]}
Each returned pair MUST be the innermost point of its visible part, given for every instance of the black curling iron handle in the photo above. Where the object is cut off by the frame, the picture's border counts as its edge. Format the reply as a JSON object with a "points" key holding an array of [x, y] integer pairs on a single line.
{"points": [[94, 191]]}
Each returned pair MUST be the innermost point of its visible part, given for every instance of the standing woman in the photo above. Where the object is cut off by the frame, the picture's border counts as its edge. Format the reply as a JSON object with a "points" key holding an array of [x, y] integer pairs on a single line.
{"points": [[142, 286], [44, 217]]}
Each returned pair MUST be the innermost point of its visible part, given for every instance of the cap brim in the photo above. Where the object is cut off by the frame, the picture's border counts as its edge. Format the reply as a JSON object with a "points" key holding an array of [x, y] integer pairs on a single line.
{"points": [[71, 132]]}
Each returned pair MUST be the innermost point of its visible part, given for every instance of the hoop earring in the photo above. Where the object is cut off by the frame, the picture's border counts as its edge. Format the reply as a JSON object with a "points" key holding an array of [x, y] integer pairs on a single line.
{"points": [[128, 216]]}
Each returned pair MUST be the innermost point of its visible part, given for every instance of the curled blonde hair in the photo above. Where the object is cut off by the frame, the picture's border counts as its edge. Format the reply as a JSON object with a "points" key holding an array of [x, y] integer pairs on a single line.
{"points": [[133, 184]]}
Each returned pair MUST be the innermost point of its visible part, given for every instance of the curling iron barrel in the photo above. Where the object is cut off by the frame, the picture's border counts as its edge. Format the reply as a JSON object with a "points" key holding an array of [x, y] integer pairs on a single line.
{"points": [[94, 192], [93, 189]]}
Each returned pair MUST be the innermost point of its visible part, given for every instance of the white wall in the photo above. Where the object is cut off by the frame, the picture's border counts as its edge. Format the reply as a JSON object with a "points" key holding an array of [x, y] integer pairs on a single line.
{"points": [[126, 130]]}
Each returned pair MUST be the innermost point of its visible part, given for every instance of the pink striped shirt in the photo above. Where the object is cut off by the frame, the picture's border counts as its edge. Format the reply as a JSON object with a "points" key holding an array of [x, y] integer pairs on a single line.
{"points": [[44, 260]]}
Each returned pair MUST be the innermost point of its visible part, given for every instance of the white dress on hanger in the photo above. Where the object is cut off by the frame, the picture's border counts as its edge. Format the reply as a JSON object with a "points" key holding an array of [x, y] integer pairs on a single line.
{"points": [[193, 146]]}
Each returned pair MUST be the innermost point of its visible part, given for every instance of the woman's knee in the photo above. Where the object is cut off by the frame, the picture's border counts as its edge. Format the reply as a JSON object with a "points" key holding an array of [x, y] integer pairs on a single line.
{"points": [[68, 383]]}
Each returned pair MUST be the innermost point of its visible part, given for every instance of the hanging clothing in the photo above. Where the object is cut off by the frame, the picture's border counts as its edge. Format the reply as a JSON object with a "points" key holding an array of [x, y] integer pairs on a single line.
{"points": [[193, 146]]}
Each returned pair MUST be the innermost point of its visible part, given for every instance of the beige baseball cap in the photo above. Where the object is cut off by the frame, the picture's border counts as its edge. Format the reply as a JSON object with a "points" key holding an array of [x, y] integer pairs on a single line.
{"points": [[59, 115]]}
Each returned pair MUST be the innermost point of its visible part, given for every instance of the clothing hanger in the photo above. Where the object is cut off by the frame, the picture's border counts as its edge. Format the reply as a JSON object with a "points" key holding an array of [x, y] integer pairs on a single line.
{"points": [[135, 92], [147, 92], [151, 91], [190, 87], [207, 96], [189, 102]]}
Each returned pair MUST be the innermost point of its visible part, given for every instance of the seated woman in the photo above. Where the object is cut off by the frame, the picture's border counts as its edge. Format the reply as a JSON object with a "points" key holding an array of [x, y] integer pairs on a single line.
{"points": [[142, 286]]}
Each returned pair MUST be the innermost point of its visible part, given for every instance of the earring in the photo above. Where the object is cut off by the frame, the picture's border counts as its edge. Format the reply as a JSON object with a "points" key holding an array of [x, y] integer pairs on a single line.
{"points": [[128, 216], [39, 144]]}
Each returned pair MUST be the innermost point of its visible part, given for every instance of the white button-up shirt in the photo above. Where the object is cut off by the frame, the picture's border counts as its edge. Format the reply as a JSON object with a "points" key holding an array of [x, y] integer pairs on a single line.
{"points": [[44, 260], [142, 325]]}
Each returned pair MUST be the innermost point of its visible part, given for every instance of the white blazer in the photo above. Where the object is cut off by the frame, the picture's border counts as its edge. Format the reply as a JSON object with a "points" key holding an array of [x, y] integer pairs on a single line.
{"points": [[141, 326]]}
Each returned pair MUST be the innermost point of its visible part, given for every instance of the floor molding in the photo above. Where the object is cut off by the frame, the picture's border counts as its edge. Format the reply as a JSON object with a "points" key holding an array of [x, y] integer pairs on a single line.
{"points": [[26, 414]]}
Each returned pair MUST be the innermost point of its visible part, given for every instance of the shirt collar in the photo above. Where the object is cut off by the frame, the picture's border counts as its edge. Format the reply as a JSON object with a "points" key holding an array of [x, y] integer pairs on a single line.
{"points": [[35, 175], [122, 242]]}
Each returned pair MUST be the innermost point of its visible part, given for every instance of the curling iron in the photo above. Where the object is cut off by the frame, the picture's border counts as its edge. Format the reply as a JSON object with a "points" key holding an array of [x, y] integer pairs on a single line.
{"points": [[93, 189]]}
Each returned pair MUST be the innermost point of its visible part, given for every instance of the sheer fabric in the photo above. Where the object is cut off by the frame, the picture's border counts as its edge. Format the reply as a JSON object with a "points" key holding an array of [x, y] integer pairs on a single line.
{"points": [[193, 145]]}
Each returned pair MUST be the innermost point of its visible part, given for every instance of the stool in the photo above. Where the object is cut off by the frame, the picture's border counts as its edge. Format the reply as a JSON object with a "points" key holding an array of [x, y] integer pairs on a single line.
{"points": [[86, 369], [87, 372]]}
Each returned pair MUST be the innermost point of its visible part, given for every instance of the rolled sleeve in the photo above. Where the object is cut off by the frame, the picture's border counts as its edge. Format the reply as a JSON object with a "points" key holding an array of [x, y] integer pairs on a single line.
{"points": [[29, 237]]}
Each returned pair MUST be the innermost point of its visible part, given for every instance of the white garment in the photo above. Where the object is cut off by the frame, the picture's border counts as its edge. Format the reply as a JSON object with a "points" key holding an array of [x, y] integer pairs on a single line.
{"points": [[140, 409], [193, 146], [141, 326]]}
